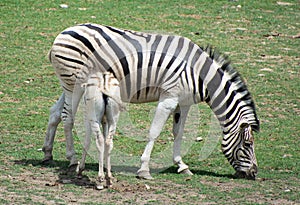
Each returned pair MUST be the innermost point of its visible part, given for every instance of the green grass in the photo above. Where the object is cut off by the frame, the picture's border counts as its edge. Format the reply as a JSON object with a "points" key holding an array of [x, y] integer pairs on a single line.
{"points": [[257, 35]]}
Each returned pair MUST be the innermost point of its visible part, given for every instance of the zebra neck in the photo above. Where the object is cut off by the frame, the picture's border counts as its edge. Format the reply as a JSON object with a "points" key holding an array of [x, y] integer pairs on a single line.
{"points": [[222, 88]]}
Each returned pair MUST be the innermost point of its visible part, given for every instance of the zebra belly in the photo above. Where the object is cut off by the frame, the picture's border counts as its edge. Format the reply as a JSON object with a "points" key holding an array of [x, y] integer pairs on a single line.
{"points": [[144, 95]]}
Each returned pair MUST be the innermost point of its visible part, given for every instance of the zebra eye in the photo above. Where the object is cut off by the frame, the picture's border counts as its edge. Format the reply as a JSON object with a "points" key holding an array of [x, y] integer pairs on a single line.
{"points": [[248, 144]]}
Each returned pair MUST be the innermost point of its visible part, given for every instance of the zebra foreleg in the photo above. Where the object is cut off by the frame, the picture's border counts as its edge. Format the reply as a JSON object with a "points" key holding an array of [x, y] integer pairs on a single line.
{"points": [[163, 111], [179, 119], [54, 120]]}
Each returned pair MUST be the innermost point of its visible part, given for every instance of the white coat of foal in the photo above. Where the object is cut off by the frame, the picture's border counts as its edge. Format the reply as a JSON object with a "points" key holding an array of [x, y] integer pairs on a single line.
{"points": [[102, 106]]}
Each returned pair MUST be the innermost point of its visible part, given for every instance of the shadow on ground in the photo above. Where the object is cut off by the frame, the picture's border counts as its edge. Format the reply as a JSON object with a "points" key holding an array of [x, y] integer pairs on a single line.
{"points": [[67, 175]]}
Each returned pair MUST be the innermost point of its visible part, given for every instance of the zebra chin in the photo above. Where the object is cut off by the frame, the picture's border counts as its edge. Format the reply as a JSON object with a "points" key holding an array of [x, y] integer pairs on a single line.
{"points": [[247, 174]]}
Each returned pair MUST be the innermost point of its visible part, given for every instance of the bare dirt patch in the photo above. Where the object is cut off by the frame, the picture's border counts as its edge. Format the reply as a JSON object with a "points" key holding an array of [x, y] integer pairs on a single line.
{"points": [[56, 185], [43, 185]]}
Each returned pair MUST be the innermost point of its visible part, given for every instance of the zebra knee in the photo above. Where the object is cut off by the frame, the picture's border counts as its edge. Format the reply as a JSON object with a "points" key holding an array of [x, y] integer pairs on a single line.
{"points": [[109, 143], [54, 118], [145, 159], [68, 122]]}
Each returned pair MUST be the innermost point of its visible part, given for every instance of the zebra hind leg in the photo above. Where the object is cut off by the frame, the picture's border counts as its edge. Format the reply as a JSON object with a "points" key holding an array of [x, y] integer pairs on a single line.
{"points": [[54, 120], [179, 119], [68, 120], [87, 143]]}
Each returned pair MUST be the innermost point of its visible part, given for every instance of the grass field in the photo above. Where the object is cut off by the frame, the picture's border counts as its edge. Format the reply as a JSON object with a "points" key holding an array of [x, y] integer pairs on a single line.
{"points": [[262, 40]]}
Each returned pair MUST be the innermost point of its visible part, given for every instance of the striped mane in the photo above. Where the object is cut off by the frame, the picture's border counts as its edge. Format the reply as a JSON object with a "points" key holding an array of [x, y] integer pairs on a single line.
{"points": [[235, 78]]}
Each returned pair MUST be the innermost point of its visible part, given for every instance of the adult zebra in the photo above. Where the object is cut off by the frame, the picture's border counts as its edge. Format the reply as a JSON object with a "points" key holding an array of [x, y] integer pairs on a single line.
{"points": [[153, 67]]}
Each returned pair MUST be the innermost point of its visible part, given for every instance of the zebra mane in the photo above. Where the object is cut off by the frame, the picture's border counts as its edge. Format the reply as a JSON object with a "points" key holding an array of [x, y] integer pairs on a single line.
{"points": [[236, 78], [226, 66]]}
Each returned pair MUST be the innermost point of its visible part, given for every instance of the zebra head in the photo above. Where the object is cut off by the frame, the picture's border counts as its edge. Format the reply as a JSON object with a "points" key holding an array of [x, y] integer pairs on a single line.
{"points": [[238, 147]]}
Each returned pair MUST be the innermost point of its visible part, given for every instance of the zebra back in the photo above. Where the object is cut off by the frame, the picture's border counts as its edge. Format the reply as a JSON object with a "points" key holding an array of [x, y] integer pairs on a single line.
{"points": [[149, 65]]}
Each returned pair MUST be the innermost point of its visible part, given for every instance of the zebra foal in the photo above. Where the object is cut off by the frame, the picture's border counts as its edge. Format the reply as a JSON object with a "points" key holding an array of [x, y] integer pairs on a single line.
{"points": [[151, 67], [102, 106]]}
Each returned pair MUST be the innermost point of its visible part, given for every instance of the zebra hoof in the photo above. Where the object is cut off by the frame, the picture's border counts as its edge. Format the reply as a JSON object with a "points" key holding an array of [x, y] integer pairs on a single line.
{"points": [[144, 175], [186, 172], [100, 183], [79, 173], [244, 175], [99, 187], [110, 181], [47, 161], [72, 168]]}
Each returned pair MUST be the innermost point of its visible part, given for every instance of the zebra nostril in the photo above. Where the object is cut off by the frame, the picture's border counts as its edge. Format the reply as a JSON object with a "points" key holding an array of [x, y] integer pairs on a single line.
{"points": [[252, 172]]}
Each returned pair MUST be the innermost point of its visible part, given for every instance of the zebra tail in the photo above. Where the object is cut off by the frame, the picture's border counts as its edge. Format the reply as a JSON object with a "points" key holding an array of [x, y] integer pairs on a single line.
{"points": [[121, 105]]}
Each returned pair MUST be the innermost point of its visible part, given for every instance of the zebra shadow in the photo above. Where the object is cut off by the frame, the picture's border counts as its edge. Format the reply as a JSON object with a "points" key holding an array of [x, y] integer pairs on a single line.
{"points": [[65, 174], [68, 175], [132, 170], [173, 169]]}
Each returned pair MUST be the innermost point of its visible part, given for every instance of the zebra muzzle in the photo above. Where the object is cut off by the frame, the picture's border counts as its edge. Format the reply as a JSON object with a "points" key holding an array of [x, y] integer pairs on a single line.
{"points": [[250, 174]]}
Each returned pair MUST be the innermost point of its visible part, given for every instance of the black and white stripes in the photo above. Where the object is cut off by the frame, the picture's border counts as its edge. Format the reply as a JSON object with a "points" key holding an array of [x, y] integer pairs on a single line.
{"points": [[155, 67], [145, 60]]}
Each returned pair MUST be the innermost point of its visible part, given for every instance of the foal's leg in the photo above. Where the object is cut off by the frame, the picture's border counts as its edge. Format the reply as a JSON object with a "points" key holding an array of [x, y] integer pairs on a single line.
{"points": [[179, 119], [108, 137], [107, 152], [164, 109], [54, 120], [112, 116], [100, 146], [96, 114]]}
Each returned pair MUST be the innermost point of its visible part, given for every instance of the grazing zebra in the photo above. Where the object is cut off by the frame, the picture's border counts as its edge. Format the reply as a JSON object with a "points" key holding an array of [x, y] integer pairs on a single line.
{"points": [[151, 67], [101, 98]]}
